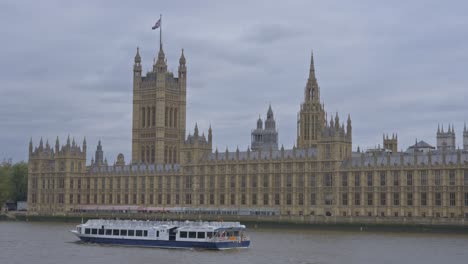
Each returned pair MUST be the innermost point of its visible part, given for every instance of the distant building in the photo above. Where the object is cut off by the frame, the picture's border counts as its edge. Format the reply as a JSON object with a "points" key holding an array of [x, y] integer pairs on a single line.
{"points": [[320, 176], [420, 147]]}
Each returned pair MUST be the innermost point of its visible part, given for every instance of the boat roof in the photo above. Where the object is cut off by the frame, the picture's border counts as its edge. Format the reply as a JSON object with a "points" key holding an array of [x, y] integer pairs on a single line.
{"points": [[180, 225]]}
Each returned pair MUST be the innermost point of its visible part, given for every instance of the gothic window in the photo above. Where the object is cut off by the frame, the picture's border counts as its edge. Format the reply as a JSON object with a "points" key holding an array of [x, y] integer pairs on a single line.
{"points": [[174, 158], [344, 199], [357, 179], [370, 198], [175, 117], [312, 180], [396, 178], [328, 198], [344, 179], [165, 155], [396, 199], [369, 179], [383, 199], [438, 199], [357, 199], [201, 199], [233, 199], [165, 116], [148, 116], [153, 116], [170, 117], [152, 154], [423, 178], [254, 199], [383, 179], [409, 199], [265, 199], [300, 199], [465, 178], [313, 201], [143, 117], [233, 182], [452, 199], [142, 155], [328, 180], [451, 177], [437, 178], [424, 199], [409, 178]]}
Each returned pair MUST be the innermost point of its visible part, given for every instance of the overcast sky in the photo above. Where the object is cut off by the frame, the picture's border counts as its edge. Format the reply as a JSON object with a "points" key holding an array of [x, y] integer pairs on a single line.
{"points": [[395, 66]]}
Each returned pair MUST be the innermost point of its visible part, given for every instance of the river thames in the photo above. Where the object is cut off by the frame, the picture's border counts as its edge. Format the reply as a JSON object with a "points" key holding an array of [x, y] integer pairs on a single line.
{"points": [[48, 243]]}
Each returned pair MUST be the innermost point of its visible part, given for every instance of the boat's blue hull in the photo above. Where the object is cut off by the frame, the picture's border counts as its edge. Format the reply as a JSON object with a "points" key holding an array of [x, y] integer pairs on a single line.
{"points": [[165, 243]]}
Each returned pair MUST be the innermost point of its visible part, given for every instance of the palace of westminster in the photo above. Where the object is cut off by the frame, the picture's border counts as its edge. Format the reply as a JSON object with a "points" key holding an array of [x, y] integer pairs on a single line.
{"points": [[321, 176]]}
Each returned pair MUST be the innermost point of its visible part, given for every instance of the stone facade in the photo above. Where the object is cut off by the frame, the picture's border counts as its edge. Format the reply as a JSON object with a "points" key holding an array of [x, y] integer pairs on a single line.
{"points": [[319, 177]]}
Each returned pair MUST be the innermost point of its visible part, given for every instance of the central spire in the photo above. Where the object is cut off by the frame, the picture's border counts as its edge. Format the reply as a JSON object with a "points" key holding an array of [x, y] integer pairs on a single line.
{"points": [[312, 90]]}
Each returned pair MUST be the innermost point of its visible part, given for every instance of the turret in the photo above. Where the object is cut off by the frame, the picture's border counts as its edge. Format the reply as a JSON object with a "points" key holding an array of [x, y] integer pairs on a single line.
{"points": [[195, 133], [84, 145], [57, 145], [137, 65], [465, 138], [259, 123], [99, 155], [160, 66], [349, 128], [30, 146]]}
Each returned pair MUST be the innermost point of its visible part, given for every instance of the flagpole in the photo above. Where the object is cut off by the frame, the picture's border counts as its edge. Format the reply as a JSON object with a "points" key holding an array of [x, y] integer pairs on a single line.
{"points": [[160, 31]]}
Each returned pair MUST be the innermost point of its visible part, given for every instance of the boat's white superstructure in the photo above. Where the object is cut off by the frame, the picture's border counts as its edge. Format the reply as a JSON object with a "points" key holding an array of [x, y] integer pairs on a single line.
{"points": [[169, 234]]}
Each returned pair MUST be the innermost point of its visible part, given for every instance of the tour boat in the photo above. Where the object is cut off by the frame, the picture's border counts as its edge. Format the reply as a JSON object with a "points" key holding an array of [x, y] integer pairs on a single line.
{"points": [[164, 234]]}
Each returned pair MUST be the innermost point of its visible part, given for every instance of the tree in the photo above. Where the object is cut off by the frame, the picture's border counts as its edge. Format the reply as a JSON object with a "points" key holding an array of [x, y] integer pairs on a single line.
{"points": [[13, 182], [5, 184]]}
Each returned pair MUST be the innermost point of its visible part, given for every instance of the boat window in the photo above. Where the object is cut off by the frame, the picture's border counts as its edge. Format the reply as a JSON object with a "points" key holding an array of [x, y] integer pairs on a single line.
{"points": [[87, 231], [108, 232], [157, 233], [101, 231], [192, 234], [209, 234], [145, 233], [139, 233], [236, 233], [183, 234], [131, 232], [201, 235], [94, 231], [115, 232], [123, 232]]}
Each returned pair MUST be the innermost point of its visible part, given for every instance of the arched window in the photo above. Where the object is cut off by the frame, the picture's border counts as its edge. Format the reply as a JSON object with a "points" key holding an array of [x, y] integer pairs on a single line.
{"points": [[170, 117], [148, 116], [148, 154], [170, 155], [143, 115]]}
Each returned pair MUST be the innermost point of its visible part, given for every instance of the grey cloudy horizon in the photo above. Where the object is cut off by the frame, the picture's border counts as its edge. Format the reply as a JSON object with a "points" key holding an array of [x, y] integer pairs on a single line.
{"points": [[395, 66]]}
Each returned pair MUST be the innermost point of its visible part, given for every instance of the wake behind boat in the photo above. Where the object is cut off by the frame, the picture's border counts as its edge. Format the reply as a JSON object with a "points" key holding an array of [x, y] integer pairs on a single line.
{"points": [[164, 234]]}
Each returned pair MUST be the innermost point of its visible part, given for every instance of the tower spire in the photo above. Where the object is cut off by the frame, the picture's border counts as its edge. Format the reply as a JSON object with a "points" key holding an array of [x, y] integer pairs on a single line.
{"points": [[312, 66]]}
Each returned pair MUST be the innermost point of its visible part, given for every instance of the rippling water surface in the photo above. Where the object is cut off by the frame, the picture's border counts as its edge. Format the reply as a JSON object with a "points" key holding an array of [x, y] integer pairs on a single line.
{"points": [[48, 243]]}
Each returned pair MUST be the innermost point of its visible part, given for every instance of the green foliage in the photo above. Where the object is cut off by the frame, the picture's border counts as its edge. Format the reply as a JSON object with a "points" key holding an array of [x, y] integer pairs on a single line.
{"points": [[13, 182]]}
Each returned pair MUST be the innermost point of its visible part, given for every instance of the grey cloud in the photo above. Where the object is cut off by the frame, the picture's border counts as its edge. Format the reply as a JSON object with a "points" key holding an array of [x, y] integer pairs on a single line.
{"points": [[66, 67]]}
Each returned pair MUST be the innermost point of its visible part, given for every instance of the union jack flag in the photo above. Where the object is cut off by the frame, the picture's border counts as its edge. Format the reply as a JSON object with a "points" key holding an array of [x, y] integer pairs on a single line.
{"points": [[157, 25]]}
